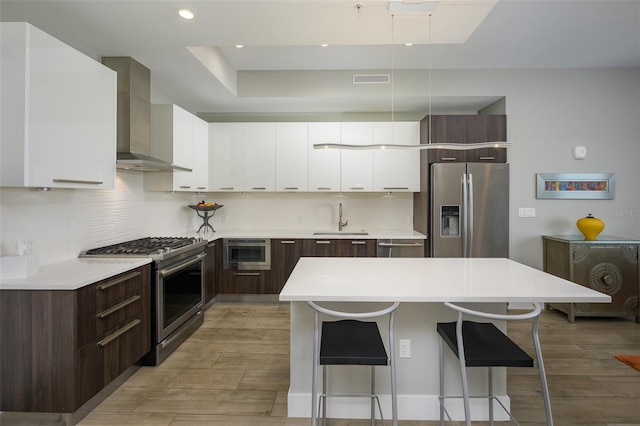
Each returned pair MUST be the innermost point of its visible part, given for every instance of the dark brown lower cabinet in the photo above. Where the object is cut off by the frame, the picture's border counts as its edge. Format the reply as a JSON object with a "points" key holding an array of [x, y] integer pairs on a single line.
{"points": [[210, 289], [339, 248], [59, 348], [284, 257], [244, 282]]}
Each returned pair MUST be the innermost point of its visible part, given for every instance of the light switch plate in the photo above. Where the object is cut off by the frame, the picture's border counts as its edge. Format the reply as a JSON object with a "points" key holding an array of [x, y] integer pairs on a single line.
{"points": [[527, 212]]}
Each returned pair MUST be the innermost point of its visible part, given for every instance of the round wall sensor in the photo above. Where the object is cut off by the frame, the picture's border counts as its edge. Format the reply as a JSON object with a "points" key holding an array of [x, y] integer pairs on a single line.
{"points": [[579, 152]]}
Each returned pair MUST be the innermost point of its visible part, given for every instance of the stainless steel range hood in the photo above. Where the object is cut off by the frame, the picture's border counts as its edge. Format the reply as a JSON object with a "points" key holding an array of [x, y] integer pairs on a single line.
{"points": [[134, 117]]}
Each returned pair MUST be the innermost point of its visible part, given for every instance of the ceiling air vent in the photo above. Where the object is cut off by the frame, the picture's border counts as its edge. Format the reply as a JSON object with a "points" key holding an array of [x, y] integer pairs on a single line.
{"points": [[371, 79]]}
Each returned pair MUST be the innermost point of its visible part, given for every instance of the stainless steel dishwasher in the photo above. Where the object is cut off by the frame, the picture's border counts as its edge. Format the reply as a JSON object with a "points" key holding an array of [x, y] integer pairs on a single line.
{"points": [[397, 247]]}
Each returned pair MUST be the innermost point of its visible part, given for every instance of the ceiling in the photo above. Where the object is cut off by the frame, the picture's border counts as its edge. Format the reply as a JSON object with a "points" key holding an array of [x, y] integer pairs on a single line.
{"points": [[283, 71]]}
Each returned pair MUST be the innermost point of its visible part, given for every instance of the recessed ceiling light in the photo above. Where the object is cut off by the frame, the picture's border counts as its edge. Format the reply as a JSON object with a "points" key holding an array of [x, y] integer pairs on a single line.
{"points": [[408, 44], [324, 45], [239, 46], [185, 14]]}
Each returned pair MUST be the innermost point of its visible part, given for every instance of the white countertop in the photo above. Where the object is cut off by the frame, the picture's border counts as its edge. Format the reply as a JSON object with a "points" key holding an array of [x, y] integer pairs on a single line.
{"points": [[72, 274], [428, 280], [373, 234]]}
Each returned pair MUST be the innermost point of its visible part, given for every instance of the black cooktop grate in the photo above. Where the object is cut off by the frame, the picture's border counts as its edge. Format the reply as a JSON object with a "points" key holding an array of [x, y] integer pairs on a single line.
{"points": [[143, 246]]}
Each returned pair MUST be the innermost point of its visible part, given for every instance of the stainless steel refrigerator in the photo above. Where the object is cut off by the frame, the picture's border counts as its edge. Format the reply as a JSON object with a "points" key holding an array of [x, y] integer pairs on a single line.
{"points": [[469, 210]]}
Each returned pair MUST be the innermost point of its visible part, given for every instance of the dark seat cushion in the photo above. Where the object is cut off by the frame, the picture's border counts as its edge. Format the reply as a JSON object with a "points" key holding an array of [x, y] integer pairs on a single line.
{"points": [[351, 342], [484, 345]]}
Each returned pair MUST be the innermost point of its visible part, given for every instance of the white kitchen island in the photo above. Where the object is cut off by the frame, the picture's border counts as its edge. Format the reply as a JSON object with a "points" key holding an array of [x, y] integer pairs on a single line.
{"points": [[421, 284]]}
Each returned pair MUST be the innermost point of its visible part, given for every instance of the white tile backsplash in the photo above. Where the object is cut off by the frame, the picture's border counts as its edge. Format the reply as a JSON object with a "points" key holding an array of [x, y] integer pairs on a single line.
{"points": [[64, 222]]}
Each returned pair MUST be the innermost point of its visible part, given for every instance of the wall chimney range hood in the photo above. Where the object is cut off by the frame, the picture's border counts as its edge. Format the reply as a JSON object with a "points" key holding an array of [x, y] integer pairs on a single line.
{"points": [[134, 117]]}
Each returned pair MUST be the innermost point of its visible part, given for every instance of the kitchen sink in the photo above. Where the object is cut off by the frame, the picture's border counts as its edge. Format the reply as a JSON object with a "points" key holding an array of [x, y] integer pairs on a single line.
{"points": [[341, 233]]}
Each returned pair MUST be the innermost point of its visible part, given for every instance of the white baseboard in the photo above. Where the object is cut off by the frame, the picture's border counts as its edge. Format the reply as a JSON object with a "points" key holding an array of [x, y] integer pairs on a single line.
{"points": [[410, 407]]}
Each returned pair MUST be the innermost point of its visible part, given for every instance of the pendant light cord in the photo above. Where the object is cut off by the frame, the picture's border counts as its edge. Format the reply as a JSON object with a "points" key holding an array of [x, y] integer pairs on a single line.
{"points": [[392, 76], [429, 74]]}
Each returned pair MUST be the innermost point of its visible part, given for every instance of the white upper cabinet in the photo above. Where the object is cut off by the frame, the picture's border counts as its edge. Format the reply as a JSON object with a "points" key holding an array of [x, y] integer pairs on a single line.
{"points": [[200, 154], [58, 121], [396, 169], [259, 149], [177, 137], [292, 153], [356, 166], [242, 157], [172, 135], [225, 157], [324, 164], [280, 157]]}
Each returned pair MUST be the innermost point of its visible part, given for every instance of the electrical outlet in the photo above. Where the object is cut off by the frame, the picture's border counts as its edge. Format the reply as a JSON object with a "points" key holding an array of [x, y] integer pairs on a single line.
{"points": [[225, 218], [299, 218], [405, 348], [527, 212], [29, 245]]}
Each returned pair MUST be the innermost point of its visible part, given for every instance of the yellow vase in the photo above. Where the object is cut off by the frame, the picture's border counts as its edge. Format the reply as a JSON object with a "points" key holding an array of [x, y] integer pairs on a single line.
{"points": [[590, 227]]}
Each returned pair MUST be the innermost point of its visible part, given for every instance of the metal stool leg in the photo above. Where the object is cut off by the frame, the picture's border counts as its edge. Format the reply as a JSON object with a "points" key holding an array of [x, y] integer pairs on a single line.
{"points": [[441, 398], [491, 423], [463, 372], [541, 372], [323, 398], [314, 376], [373, 392]]}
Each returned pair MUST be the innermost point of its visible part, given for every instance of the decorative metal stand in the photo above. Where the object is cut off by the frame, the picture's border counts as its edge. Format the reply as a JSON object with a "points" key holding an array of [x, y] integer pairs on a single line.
{"points": [[206, 212]]}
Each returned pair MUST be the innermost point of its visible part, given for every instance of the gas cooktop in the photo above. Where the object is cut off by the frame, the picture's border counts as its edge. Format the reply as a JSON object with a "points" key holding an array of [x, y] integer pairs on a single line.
{"points": [[154, 247]]}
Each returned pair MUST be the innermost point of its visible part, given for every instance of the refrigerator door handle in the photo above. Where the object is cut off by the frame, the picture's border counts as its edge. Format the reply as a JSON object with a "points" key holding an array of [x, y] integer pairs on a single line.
{"points": [[470, 207], [465, 213]]}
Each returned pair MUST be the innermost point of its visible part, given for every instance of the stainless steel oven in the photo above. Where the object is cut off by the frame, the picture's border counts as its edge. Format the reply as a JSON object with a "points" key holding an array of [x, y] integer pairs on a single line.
{"points": [[247, 254], [180, 293]]}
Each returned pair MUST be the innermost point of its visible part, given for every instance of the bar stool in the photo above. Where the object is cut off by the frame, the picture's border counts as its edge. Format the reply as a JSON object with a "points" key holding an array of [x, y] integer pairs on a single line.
{"points": [[350, 341], [482, 344]]}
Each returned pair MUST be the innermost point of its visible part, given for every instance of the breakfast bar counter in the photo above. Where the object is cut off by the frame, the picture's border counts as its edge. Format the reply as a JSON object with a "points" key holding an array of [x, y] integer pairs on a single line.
{"points": [[421, 284]]}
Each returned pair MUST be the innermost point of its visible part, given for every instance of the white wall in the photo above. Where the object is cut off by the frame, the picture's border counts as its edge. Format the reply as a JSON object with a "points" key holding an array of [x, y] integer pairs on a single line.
{"points": [[549, 112]]}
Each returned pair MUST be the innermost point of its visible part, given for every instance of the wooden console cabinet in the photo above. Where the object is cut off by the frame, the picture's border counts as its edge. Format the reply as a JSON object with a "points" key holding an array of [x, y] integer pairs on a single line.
{"points": [[609, 265], [61, 347]]}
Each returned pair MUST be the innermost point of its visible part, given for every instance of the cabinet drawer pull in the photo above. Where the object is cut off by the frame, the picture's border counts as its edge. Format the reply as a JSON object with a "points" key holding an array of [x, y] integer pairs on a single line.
{"points": [[291, 188], [201, 187], [226, 188], [324, 188], [448, 159], [358, 243], [118, 281], [396, 188], [400, 244], [185, 186], [118, 333], [88, 182], [488, 158], [287, 242], [246, 274], [258, 188], [323, 242], [117, 307], [353, 188]]}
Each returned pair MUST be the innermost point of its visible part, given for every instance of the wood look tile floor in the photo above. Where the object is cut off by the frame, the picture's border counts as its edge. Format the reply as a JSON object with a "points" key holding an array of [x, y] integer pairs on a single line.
{"points": [[234, 371]]}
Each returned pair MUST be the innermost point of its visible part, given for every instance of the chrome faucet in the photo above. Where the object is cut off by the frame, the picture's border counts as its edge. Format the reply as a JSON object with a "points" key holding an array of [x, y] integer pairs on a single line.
{"points": [[340, 223]]}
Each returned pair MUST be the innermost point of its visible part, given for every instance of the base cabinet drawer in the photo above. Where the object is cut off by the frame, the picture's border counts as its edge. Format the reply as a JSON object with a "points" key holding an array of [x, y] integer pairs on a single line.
{"points": [[56, 352], [101, 361], [244, 282], [339, 248]]}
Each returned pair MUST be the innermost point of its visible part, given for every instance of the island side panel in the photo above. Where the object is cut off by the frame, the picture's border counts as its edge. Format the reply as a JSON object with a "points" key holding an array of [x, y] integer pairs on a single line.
{"points": [[417, 377]]}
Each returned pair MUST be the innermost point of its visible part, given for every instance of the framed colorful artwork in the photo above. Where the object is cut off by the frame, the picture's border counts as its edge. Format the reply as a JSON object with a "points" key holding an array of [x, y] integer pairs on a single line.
{"points": [[576, 186]]}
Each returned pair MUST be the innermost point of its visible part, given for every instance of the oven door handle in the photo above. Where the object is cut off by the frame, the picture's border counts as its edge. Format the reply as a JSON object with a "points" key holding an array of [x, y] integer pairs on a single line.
{"points": [[168, 271]]}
